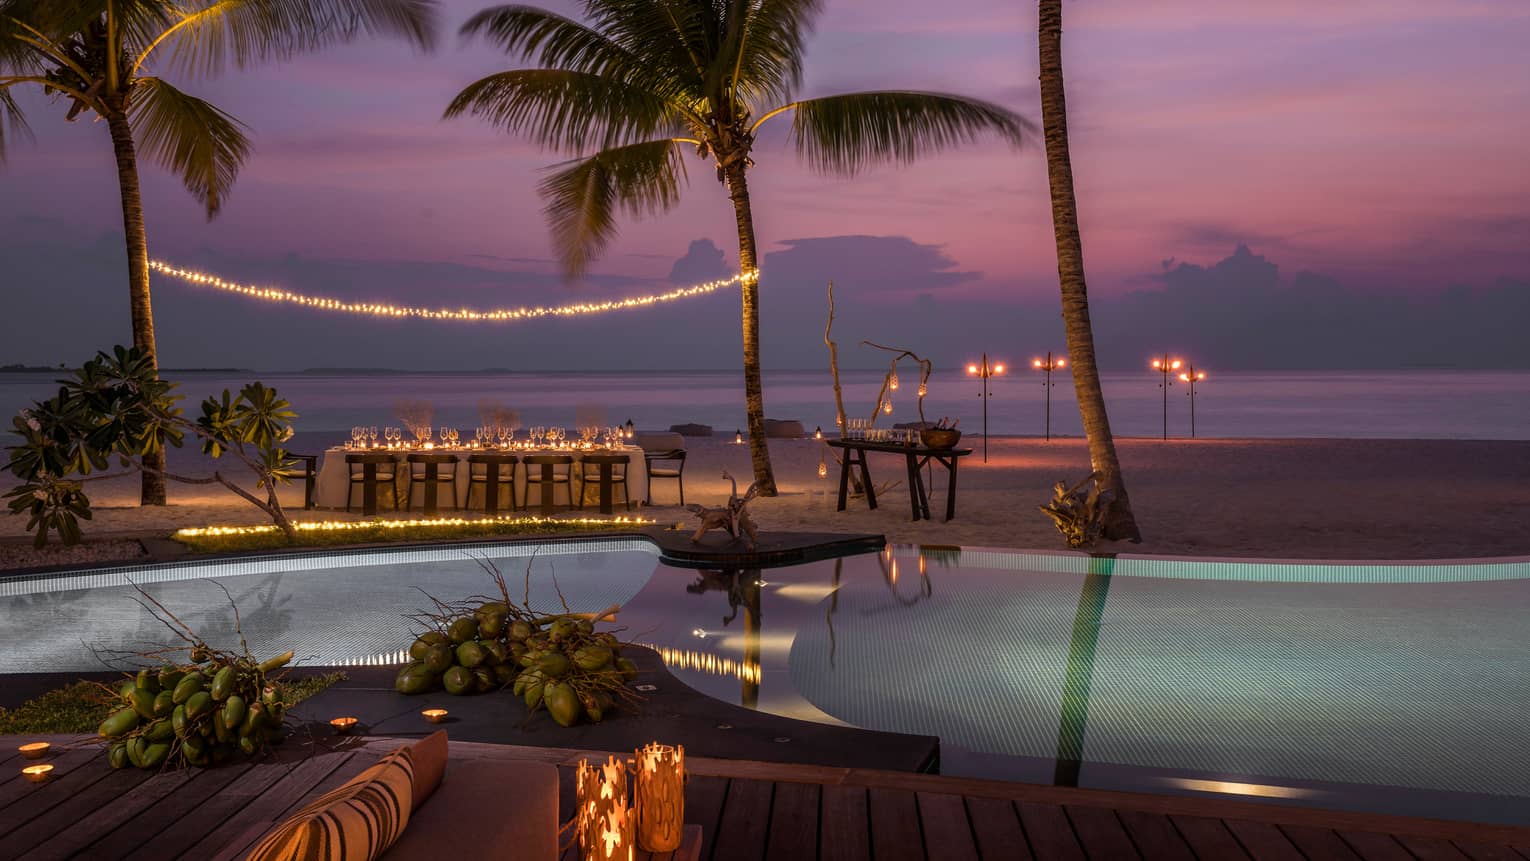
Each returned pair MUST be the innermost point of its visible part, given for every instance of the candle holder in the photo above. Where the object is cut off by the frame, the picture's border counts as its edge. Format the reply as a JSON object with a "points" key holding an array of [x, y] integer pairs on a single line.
{"points": [[605, 821], [35, 750], [659, 796], [435, 715], [344, 725], [37, 773]]}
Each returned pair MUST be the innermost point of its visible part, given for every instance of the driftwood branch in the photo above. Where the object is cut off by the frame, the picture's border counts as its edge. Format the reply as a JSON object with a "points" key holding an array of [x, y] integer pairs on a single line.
{"points": [[839, 394], [924, 377]]}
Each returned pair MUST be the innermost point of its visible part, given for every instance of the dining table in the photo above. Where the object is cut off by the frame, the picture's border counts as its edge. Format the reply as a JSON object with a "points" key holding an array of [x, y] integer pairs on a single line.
{"points": [[333, 487]]}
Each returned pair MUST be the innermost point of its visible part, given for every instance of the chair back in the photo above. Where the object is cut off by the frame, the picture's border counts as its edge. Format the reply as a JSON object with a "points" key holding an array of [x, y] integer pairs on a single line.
{"points": [[618, 463], [478, 464], [357, 462], [562, 465], [418, 461]]}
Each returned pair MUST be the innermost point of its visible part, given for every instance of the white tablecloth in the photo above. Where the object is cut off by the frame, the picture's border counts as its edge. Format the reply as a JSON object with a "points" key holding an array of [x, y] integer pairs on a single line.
{"points": [[333, 482]]}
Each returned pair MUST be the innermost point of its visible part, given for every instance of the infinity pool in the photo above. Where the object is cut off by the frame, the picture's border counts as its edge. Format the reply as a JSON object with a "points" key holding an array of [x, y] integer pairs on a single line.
{"points": [[1389, 687]]}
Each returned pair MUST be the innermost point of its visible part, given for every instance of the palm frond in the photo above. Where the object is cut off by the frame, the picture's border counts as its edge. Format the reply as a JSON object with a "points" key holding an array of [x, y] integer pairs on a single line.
{"points": [[565, 110], [670, 34], [845, 134], [248, 31], [11, 117], [767, 62], [584, 196], [189, 137], [554, 41]]}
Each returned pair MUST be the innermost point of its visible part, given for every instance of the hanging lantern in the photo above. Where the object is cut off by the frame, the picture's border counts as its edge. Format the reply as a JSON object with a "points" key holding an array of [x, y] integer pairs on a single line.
{"points": [[923, 390], [887, 406], [892, 380], [659, 795], [823, 469], [605, 820]]}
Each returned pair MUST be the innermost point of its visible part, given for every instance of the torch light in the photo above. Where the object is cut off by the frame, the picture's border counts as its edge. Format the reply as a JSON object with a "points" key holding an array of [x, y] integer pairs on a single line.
{"points": [[985, 371], [1192, 376], [1047, 366], [1166, 367]]}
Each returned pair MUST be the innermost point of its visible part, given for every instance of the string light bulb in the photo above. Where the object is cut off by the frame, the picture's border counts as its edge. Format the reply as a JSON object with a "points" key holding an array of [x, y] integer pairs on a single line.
{"points": [[498, 315]]}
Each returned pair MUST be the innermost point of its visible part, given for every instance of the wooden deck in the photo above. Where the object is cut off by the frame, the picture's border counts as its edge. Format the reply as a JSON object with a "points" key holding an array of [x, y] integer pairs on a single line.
{"points": [[749, 811]]}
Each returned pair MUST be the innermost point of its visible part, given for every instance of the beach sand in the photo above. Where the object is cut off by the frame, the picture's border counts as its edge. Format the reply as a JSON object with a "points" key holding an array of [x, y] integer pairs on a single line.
{"points": [[1293, 499]]}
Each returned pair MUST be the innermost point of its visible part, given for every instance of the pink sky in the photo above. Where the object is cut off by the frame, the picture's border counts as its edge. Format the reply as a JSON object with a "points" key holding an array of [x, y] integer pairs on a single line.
{"points": [[1379, 141]]}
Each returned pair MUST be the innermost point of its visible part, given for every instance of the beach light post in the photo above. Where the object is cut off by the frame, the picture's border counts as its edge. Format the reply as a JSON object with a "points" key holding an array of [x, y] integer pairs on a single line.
{"points": [[1048, 365], [1192, 376], [1165, 367], [985, 370]]}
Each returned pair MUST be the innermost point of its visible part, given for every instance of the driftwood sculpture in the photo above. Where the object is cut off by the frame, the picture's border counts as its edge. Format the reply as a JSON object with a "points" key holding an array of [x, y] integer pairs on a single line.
{"points": [[733, 518], [1079, 511]]}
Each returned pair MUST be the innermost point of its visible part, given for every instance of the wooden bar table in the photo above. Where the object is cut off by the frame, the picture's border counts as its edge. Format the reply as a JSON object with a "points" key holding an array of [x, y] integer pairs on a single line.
{"points": [[915, 458]]}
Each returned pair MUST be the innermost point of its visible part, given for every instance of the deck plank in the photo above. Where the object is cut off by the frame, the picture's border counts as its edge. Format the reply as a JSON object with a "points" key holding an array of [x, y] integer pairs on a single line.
{"points": [[72, 771], [1373, 846], [745, 821], [1100, 832], [1209, 838], [1432, 849], [1155, 836], [846, 834], [1263, 841], [218, 814], [1486, 852], [91, 828], [139, 837], [895, 825], [1319, 844], [996, 826], [74, 808], [1048, 831], [947, 833], [704, 797], [793, 822], [291, 782]]}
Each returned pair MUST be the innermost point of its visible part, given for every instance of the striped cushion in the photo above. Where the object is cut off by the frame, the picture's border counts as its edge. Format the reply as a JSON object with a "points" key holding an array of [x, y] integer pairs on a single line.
{"points": [[356, 822]]}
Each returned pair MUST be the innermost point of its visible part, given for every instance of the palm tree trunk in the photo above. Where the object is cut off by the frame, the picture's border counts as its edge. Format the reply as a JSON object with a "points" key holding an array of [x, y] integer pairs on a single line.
{"points": [[754, 394], [1120, 524], [153, 489]]}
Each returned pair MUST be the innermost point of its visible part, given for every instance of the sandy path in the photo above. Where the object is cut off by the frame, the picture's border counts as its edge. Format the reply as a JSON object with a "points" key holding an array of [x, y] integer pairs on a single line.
{"points": [[1335, 499]]}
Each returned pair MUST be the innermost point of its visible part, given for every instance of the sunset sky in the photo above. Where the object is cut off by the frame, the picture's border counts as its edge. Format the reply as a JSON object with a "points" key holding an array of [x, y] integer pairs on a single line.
{"points": [[1377, 142]]}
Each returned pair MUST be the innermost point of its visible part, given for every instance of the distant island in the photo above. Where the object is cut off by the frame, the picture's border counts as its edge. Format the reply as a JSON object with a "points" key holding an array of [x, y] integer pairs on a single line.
{"points": [[49, 369]]}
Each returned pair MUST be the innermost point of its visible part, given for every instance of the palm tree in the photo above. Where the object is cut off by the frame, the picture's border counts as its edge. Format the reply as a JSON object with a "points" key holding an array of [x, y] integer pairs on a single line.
{"points": [[626, 93], [97, 55], [1119, 524]]}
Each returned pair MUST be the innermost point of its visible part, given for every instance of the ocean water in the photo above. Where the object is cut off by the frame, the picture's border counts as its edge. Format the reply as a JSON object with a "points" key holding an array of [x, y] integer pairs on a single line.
{"points": [[1354, 404]]}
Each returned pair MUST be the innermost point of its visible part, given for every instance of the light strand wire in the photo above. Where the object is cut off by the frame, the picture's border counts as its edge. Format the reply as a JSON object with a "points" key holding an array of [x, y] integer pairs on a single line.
{"points": [[499, 315]]}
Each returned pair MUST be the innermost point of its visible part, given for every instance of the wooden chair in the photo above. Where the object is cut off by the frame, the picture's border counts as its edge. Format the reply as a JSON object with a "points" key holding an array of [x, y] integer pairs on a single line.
{"points": [[309, 473], [608, 471], [367, 470], [491, 472], [552, 471], [676, 472], [425, 472]]}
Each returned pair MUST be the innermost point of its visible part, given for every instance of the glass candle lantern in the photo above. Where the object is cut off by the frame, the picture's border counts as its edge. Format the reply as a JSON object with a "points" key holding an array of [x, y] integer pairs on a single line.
{"points": [[659, 795], [605, 823]]}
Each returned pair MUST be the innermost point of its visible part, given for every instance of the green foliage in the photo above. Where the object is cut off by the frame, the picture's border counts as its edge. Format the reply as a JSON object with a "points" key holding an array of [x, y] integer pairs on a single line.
{"points": [[116, 406], [623, 91], [82, 706]]}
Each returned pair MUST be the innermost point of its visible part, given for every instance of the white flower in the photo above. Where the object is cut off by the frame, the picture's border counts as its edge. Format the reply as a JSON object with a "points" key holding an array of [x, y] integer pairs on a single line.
{"points": [[34, 424]]}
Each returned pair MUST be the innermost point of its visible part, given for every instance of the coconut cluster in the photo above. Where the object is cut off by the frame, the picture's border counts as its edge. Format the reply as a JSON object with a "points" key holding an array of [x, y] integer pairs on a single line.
{"points": [[559, 661], [214, 710]]}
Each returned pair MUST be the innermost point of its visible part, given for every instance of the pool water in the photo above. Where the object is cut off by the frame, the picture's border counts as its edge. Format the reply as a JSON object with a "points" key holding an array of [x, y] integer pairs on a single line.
{"points": [[1395, 688]]}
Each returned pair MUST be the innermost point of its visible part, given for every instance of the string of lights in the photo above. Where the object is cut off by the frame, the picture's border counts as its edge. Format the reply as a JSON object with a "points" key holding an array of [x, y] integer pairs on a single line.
{"points": [[497, 315]]}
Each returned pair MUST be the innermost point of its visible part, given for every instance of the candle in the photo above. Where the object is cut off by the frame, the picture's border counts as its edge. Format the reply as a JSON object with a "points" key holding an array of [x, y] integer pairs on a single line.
{"points": [[659, 796], [35, 750], [435, 715], [604, 820], [37, 773], [343, 725]]}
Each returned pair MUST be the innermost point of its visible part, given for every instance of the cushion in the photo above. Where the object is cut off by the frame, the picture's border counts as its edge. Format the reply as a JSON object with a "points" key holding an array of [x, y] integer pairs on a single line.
{"points": [[486, 809], [659, 441], [356, 822], [429, 756], [664, 472]]}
